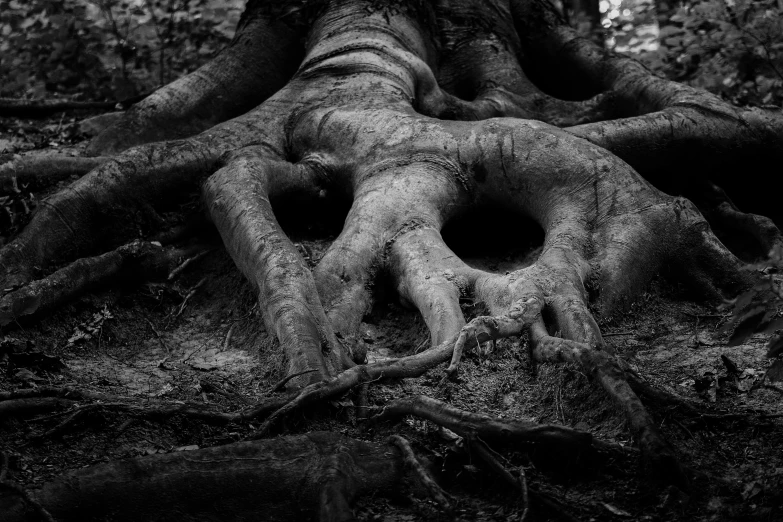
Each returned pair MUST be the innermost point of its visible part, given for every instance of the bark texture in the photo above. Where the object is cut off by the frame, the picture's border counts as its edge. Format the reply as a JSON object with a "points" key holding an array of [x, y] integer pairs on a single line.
{"points": [[417, 112]]}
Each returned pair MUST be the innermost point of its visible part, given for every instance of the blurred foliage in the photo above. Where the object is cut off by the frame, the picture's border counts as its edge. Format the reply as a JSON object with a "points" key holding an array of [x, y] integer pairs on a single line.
{"points": [[733, 48], [107, 49]]}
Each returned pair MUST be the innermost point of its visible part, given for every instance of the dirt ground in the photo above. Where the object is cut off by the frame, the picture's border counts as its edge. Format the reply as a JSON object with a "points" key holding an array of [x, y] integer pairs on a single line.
{"points": [[146, 344]]}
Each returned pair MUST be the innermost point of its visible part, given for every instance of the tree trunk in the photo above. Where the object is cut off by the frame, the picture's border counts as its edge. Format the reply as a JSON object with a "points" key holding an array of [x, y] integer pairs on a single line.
{"points": [[417, 112]]}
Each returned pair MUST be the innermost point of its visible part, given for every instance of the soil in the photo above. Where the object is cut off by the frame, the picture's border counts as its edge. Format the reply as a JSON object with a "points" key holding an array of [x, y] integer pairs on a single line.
{"points": [[145, 344]]}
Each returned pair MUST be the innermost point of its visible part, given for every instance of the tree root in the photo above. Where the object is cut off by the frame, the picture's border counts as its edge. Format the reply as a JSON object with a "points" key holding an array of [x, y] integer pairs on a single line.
{"points": [[410, 460], [724, 216], [492, 460], [349, 124], [288, 478], [549, 446], [35, 173], [31, 406], [260, 59], [19, 108], [165, 412], [64, 392], [134, 261]]}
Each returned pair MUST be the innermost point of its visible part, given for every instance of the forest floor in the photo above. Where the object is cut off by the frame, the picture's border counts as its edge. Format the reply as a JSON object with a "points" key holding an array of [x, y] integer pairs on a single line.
{"points": [[148, 344]]}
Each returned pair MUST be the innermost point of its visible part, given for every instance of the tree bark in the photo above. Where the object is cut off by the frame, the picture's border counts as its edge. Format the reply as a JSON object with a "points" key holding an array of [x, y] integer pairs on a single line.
{"points": [[417, 112]]}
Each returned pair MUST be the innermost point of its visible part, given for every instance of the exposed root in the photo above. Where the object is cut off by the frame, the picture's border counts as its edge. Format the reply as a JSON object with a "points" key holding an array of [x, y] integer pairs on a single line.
{"points": [[34, 173], [492, 460], [410, 460], [287, 292], [549, 446], [40, 512], [65, 392], [724, 215], [134, 261], [260, 59], [101, 203], [185, 264], [288, 478], [350, 122], [31, 406], [411, 366], [656, 453], [19, 108], [280, 386], [191, 292], [157, 413]]}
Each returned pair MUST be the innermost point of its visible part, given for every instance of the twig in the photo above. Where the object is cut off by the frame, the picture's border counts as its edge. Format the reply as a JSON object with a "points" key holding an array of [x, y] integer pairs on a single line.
{"points": [[409, 458], [178, 270], [160, 339], [227, 340], [279, 386], [191, 293]]}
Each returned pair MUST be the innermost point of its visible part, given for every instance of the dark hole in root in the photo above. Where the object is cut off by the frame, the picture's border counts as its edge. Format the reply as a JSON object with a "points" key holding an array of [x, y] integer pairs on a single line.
{"points": [[304, 217], [493, 239]]}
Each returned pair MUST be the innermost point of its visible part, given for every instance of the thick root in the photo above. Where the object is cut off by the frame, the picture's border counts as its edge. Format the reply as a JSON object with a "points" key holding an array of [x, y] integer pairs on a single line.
{"points": [[135, 261], [292, 309], [259, 61], [18, 108], [548, 446], [410, 460], [33, 173], [289, 478]]}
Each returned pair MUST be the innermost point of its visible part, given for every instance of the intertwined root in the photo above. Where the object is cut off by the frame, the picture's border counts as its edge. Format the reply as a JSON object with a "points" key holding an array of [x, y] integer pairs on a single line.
{"points": [[607, 233], [341, 127]]}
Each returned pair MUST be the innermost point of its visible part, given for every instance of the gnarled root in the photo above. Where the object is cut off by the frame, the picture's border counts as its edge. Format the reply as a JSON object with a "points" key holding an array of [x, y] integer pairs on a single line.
{"points": [[549, 446], [287, 478], [33, 173], [260, 60], [347, 123], [410, 460], [134, 261]]}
